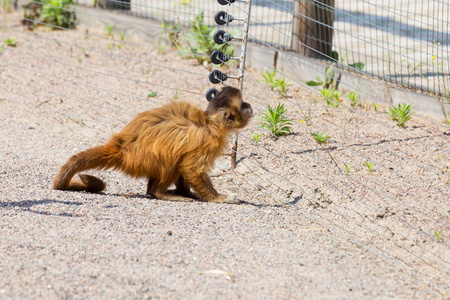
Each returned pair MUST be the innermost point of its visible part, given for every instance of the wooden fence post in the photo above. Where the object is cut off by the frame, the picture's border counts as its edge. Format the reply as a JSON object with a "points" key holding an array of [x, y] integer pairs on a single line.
{"points": [[312, 28]]}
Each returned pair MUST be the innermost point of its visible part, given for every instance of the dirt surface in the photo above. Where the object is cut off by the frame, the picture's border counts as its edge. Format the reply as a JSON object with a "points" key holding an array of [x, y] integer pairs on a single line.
{"points": [[305, 229]]}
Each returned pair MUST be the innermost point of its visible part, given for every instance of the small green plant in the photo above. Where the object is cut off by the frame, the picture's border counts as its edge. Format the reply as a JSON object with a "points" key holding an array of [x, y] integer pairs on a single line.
{"points": [[122, 36], [80, 60], [331, 96], [400, 114], [353, 96], [6, 4], [375, 106], [448, 121], [256, 137], [56, 12], [357, 65], [109, 28], [321, 137], [200, 42], [329, 78], [275, 121], [369, 165], [109, 46], [281, 84], [269, 78], [347, 168], [175, 96], [173, 32], [10, 42], [152, 95], [120, 46], [441, 83], [307, 117], [438, 235]]}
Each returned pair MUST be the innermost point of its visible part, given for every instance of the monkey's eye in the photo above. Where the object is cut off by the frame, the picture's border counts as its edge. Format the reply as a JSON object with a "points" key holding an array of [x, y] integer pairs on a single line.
{"points": [[231, 117]]}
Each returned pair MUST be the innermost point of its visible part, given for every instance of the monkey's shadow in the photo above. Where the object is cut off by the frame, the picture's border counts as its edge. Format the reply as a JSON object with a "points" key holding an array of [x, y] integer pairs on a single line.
{"points": [[141, 196], [150, 197], [27, 204], [291, 203]]}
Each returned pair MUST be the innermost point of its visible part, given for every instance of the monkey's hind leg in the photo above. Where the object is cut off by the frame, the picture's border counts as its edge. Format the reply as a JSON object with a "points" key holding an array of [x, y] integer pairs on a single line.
{"points": [[183, 189], [160, 192]]}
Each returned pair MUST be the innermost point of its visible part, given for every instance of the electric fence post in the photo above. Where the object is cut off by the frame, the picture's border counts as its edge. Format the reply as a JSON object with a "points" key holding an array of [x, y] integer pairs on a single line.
{"points": [[218, 57]]}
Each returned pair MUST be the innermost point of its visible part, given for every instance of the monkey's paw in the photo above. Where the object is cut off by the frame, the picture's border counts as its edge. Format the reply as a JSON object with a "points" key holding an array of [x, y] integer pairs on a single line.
{"points": [[227, 198]]}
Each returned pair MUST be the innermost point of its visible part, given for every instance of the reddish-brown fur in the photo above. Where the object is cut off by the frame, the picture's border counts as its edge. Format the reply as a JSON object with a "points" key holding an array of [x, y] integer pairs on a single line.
{"points": [[174, 144]]}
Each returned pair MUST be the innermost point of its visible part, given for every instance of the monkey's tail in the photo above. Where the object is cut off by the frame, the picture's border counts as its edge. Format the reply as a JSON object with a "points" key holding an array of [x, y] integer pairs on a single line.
{"points": [[100, 157]]}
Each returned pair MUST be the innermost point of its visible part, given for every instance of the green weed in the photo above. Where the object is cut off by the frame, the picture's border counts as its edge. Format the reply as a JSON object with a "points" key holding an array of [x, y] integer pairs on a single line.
{"points": [[152, 94], [173, 32], [10, 42], [269, 78], [6, 4], [357, 65], [175, 96], [328, 81], [375, 106], [109, 28], [369, 165], [56, 12], [400, 114], [274, 120], [321, 137], [282, 84], [256, 137], [347, 168], [438, 235], [353, 96], [201, 41], [331, 96]]}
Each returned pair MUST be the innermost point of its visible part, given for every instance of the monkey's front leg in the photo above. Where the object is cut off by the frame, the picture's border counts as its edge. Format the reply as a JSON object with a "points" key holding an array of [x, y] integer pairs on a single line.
{"points": [[202, 185]]}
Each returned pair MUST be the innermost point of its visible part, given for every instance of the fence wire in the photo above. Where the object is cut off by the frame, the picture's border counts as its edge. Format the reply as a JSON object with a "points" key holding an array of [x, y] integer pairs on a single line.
{"points": [[404, 42]]}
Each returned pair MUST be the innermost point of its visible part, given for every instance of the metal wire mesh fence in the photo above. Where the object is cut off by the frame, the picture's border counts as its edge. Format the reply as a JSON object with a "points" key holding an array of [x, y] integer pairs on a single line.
{"points": [[404, 42], [339, 160]]}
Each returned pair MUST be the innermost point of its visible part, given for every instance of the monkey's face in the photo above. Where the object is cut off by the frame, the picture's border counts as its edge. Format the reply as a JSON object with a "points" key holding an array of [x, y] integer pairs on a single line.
{"points": [[240, 117], [228, 108]]}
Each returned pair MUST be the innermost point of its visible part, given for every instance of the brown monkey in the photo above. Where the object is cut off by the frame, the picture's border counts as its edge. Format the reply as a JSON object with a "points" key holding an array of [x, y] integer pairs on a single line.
{"points": [[174, 144]]}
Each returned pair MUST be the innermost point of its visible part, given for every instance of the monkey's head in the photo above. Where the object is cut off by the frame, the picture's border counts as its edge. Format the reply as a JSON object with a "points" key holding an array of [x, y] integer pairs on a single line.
{"points": [[228, 109]]}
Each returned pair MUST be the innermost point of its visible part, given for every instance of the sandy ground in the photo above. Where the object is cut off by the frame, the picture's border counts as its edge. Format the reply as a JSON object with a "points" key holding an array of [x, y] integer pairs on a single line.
{"points": [[305, 229]]}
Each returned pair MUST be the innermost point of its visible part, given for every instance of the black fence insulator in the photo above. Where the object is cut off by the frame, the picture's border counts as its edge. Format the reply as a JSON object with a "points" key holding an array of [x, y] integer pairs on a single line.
{"points": [[217, 77], [211, 93], [218, 57], [222, 37], [225, 2], [223, 18]]}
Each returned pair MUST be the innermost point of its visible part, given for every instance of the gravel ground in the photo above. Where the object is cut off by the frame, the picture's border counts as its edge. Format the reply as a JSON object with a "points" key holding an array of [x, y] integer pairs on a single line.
{"points": [[304, 229]]}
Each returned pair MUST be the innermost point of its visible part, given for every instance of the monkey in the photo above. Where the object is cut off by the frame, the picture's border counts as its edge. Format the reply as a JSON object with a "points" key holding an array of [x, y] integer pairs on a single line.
{"points": [[173, 144]]}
